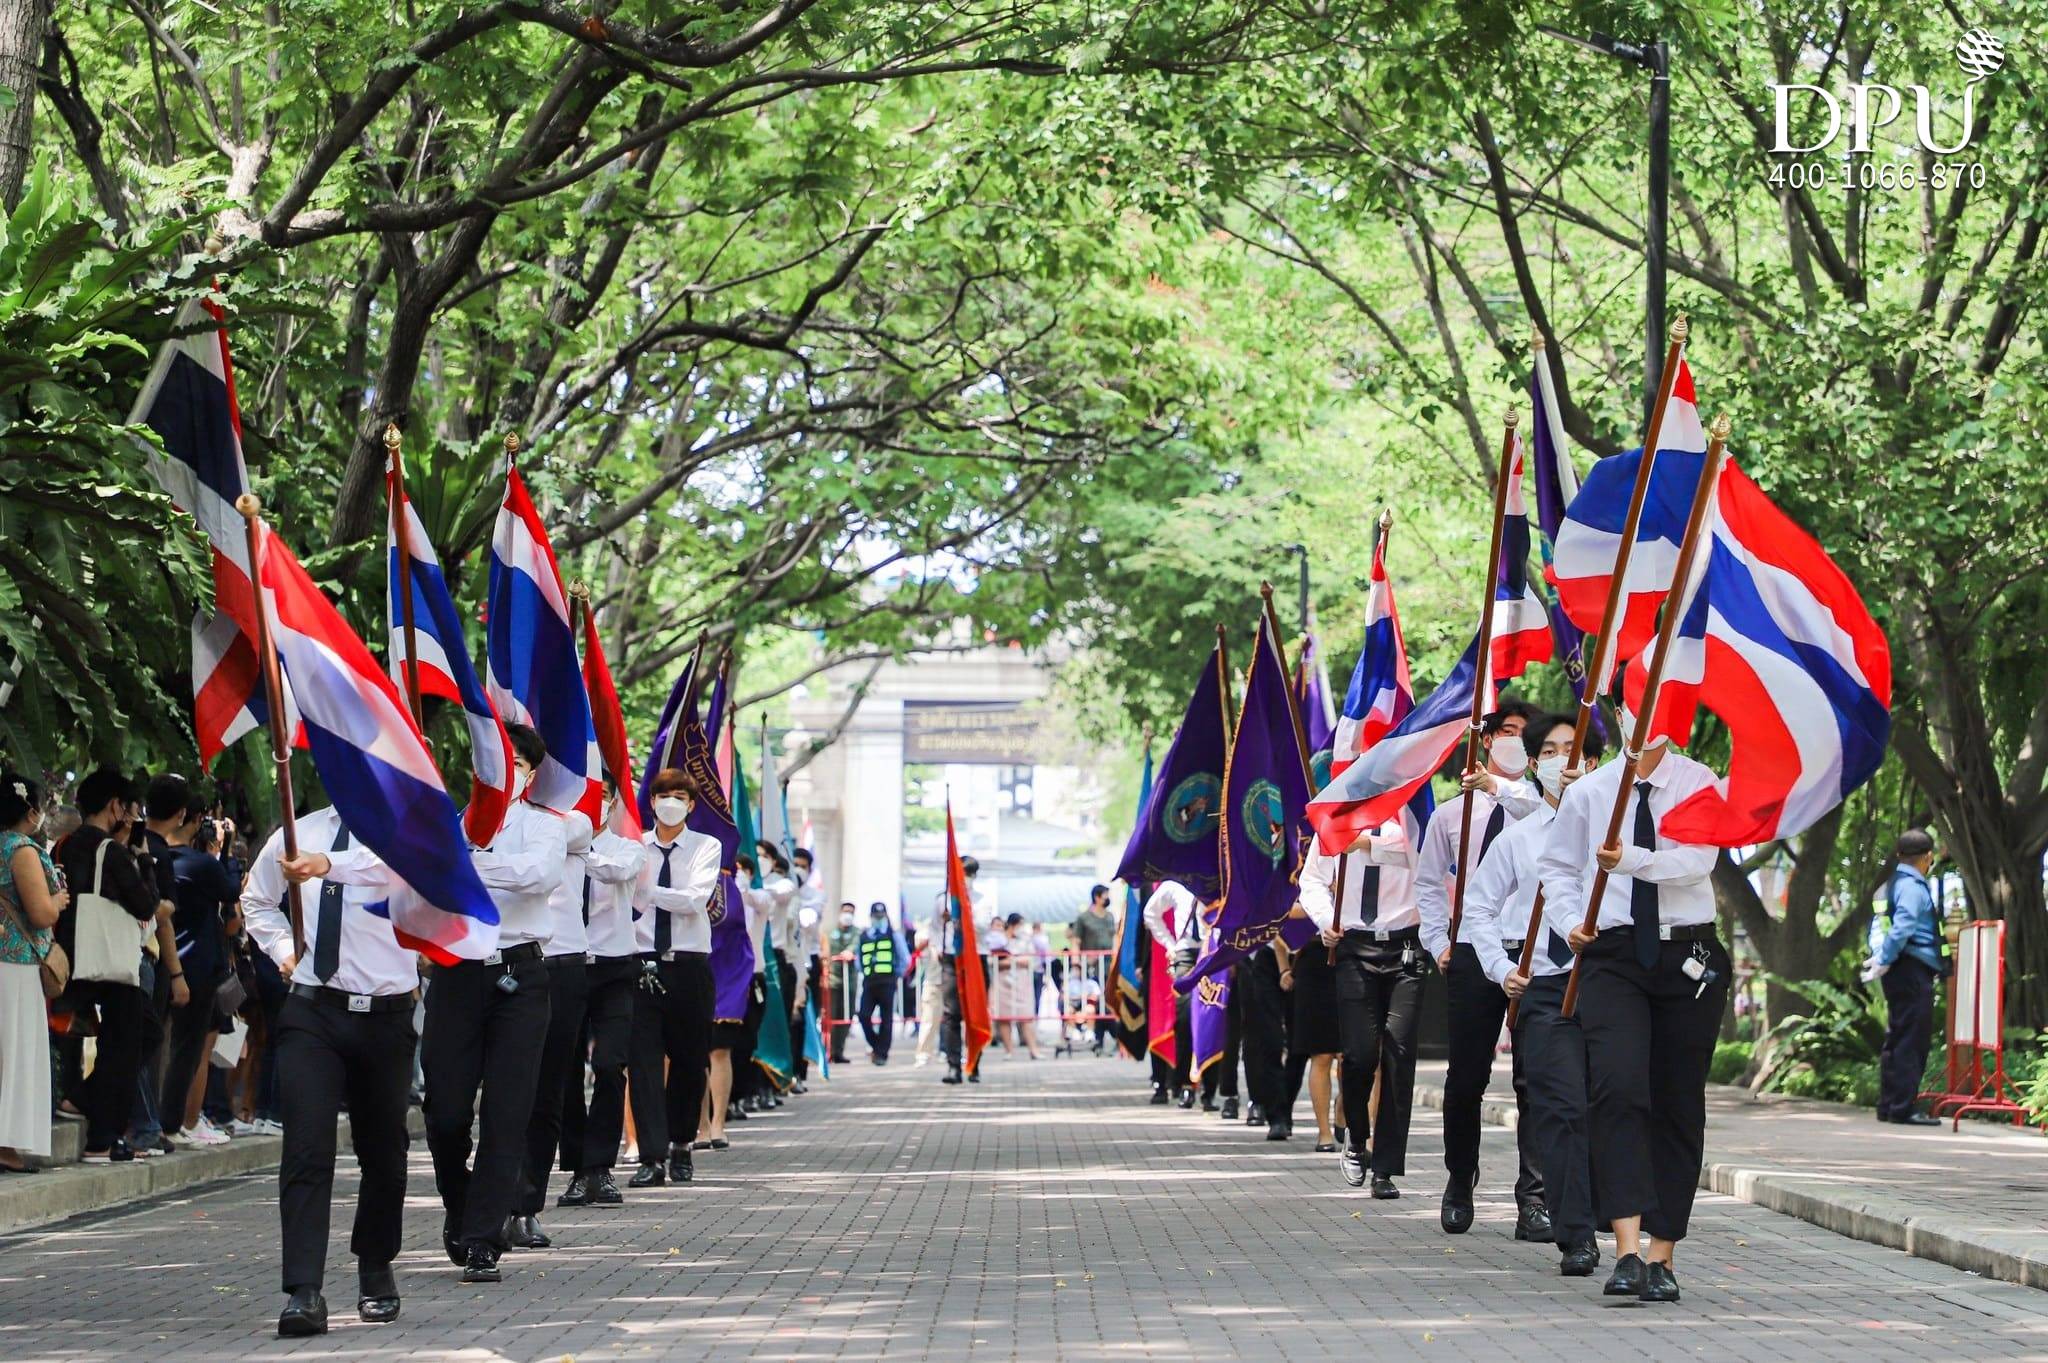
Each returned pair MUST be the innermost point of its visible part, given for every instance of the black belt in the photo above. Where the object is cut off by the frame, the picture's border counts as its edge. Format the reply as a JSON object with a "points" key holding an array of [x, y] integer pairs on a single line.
{"points": [[354, 1003], [1413, 934], [525, 951], [1668, 932], [681, 955], [1511, 948]]}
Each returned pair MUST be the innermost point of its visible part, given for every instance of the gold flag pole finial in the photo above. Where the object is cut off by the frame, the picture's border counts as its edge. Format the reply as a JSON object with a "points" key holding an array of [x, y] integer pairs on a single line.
{"points": [[1681, 328], [580, 590], [1536, 341], [511, 445], [1719, 430], [1387, 519], [249, 506], [1513, 418]]}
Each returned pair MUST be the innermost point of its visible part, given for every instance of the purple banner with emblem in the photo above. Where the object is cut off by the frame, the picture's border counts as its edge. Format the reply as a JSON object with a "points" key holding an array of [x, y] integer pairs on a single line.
{"points": [[1208, 1014], [1176, 836]]}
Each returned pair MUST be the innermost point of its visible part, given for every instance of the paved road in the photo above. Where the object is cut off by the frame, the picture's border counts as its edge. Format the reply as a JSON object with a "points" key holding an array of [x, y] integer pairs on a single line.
{"points": [[1047, 1214]]}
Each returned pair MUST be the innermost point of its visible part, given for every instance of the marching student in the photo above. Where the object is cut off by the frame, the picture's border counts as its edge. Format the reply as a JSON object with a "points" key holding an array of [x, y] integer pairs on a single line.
{"points": [[807, 936], [1548, 1046], [1652, 978], [344, 1036], [672, 1009], [1182, 934], [1379, 975], [948, 943], [1262, 1004], [1475, 1004], [590, 1140], [486, 1022], [777, 899]]}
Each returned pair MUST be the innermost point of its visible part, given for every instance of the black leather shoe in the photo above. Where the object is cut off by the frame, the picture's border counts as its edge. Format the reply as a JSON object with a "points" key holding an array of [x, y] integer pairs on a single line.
{"points": [[1627, 1278], [515, 1234], [451, 1243], [1326, 1147], [577, 1194], [305, 1314], [974, 1075], [1660, 1284], [680, 1170], [1160, 1097], [1455, 1216], [1340, 1136], [536, 1238], [1383, 1188], [481, 1265], [1187, 1099], [1354, 1167], [1279, 1129], [1915, 1119], [377, 1299], [1579, 1261], [604, 1190], [1532, 1223], [1230, 1109], [1254, 1115], [1208, 1102], [952, 1075], [647, 1176]]}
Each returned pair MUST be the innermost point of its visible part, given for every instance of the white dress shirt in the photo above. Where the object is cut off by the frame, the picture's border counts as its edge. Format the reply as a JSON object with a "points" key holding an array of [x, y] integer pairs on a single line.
{"points": [[758, 903], [1685, 894], [779, 904], [1437, 863], [521, 869], [1503, 891], [1181, 931], [567, 935], [1388, 851], [371, 961], [692, 861], [613, 864], [810, 918]]}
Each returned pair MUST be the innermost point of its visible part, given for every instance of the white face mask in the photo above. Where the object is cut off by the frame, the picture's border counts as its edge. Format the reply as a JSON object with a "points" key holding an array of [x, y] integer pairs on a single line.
{"points": [[522, 777], [671, 809], [1549, 771], [1508, 754]]}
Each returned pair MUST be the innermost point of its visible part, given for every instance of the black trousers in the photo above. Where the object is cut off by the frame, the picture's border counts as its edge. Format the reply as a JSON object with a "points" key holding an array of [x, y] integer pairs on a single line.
{"points": [[1909, 990], [675, 1025], [1477, 1007], [326, 1057], [590, 1138], [184, 1053], [561, 1059], [1265, 1013], [1649, 1043], [949, 1017], [878, 996], [107, 1095], [479, 1037], [1552, 1050], [1183, 1020], [1379, 1008]]}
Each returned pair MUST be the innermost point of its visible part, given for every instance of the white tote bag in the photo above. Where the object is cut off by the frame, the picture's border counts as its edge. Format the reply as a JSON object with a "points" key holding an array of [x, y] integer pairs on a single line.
{"points": [[106, 943]]}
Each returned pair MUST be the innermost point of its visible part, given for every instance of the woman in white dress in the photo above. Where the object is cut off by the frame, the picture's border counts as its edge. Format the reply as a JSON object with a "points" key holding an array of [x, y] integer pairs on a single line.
{"points": [[1014, 1001], [31, 897]]}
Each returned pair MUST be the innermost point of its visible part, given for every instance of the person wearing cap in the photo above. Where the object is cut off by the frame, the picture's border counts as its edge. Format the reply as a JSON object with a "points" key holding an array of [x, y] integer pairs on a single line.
{"points": [[879, 954]]}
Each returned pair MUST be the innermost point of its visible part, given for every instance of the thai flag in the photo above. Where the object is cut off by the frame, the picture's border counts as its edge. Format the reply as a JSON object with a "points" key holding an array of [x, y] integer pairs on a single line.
{"points": [[1772, 638], [1381, 693], [377, 769], [535, 678], [1557, 482], [189, 401], [1588, 540], [609, 722], [1396, 768], [445, 669]]}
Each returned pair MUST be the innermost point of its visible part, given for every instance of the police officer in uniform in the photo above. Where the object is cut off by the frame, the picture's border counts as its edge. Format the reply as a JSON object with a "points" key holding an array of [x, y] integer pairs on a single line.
{"points": [[876, 952], [1380, 973], [1549, 1045], [590, 1140], [486, 1022], [1652, 978], [672, 1010], [1475, 1005], [344, 1035]]}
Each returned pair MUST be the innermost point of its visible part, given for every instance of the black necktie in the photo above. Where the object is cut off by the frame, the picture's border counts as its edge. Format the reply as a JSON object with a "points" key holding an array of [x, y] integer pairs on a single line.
{"points": [[1494, 823], [1369, 895], [586, 895], [1560, 949], [1642, 894], [327, 935], [663, 930]]}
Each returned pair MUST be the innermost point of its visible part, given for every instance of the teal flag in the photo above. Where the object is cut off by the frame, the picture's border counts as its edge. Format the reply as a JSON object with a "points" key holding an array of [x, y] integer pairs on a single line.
{"points": [[772, 1047]]}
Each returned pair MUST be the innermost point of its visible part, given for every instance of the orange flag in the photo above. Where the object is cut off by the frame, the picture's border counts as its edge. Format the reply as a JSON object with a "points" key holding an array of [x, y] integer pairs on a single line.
{"points": [[973, 985]]}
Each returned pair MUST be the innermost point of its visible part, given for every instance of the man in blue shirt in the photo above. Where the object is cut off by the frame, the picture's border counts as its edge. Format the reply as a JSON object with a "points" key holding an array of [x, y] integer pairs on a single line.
{"points": [[1908, 962]]}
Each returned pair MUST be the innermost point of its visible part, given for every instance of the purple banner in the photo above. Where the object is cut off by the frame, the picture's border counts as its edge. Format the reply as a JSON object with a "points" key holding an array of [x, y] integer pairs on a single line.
{"points": [[1208, 1014]]}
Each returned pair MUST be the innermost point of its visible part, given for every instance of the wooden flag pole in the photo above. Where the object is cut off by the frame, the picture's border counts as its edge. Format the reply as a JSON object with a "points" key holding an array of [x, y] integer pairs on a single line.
{"points": [[1594, 679], [273, 696], [1632, 755], [401, 525], [1379, 549], [1482, 664]]}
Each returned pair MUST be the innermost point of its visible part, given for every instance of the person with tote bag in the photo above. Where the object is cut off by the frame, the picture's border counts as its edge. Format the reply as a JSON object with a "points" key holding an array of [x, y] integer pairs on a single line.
{"points": [[31, 897]]}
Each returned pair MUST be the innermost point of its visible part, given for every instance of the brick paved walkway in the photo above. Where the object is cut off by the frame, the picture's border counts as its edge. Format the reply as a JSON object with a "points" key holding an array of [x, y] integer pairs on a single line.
{"points": [[1047, 1214]]}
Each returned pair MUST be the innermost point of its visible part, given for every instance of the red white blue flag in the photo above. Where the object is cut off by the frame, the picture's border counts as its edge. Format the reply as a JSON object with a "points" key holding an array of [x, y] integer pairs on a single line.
{"points": [[1381, 693], [535, 678], [444, 669], [377, 769], [189, 401], [1772, 638]]}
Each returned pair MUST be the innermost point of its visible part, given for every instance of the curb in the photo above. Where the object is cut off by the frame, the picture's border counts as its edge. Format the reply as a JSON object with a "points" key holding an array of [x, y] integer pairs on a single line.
{"points": [[2008, 1256], [67, 1190]]}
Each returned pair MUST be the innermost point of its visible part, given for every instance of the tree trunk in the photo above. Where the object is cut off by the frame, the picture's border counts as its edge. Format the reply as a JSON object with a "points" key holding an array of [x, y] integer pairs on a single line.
{"points": [[2009, 887], [21, 48]]}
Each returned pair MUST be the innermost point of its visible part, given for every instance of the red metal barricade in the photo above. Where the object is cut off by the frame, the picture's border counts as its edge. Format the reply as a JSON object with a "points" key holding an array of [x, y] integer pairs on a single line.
{"points": [[1976, 1029], [1072, 989]]}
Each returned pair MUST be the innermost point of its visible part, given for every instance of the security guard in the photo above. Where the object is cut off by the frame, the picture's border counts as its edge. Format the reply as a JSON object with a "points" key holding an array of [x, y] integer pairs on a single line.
{"points": [[1652, 978], [486, 1023], [344, 1035], [1548, 1045], [877, 951], [1475, 1005]]}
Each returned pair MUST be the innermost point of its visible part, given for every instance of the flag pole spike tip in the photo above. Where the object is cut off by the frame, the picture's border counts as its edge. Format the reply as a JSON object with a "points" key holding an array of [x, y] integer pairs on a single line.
{"points": [[1266, 591], [1719, 430], [1513, 418], [512, 443], [1387, 519], [1681, 328], [391, 436], [1536, 341], [250, 505], [580, 590], [1219, 633]]}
